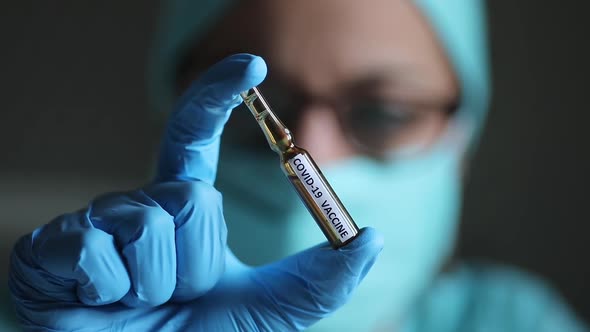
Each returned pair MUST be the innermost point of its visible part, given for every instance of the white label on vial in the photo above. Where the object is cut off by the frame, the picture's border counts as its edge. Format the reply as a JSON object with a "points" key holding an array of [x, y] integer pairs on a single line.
{"points": [[321, 196]]}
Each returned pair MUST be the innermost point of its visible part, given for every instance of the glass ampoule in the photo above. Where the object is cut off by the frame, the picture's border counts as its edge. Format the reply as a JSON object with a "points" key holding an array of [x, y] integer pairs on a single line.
{"points": [[303, 173]]}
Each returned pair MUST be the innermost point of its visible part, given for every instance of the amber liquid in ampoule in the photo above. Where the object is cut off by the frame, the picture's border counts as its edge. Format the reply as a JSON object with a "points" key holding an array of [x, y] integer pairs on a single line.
{"points": [[303, 173]]}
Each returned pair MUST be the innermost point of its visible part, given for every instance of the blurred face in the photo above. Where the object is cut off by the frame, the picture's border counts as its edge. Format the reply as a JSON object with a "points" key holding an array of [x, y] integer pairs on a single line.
{"points": [[348, 77], [351, 79]]}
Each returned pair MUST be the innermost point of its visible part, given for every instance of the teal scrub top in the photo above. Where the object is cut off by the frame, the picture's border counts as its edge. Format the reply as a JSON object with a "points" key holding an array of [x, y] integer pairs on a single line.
{"points": [[482, 297]]}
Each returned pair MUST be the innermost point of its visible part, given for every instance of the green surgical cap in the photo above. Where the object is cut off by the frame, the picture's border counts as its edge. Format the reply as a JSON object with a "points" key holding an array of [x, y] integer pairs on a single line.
{"points": [[459, 24]]}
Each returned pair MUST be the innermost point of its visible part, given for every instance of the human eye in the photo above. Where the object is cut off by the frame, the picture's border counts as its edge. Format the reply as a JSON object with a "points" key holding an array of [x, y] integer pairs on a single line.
{"points": [[382, 126], [372, 121]]}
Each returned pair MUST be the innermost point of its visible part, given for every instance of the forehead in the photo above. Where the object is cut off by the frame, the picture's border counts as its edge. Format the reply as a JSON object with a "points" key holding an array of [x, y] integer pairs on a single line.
{"points": [[319, 44]]}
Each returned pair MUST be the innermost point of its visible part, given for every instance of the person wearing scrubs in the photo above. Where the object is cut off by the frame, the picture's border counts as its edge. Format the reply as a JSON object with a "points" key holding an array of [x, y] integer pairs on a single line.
{"points": [[389, 96]]}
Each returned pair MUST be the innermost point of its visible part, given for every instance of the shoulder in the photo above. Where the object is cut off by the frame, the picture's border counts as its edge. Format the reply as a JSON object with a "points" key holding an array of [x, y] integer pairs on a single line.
{"points": [[503, 284], [491, 297]]}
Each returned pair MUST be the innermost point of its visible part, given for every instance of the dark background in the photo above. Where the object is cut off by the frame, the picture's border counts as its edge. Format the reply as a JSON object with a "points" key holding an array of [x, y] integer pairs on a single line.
{"points": [[74, 122]]}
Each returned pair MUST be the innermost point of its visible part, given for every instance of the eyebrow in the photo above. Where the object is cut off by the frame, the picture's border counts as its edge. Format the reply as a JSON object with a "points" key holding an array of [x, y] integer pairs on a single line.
{"points": [[367, 83], [370, 82]]}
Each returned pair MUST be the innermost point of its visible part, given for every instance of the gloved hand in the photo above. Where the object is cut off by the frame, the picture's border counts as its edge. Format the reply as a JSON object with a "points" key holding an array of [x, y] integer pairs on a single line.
{"points": [[156, 258]]}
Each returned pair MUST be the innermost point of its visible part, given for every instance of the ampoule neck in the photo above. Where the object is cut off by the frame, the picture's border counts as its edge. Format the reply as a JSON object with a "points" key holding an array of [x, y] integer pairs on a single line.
{"points": [[277, 134]]}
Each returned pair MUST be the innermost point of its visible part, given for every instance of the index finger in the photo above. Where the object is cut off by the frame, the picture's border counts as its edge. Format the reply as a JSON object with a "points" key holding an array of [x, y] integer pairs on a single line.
{"points": [[190, 148]]}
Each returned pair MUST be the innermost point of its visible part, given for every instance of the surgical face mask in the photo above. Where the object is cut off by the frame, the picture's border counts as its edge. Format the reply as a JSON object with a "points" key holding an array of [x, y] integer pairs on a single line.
{"points": [[413, 202]]}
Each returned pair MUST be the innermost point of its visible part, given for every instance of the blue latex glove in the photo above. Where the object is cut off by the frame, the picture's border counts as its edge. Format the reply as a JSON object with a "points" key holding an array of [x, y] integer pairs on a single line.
{"points": [[156, 258]]}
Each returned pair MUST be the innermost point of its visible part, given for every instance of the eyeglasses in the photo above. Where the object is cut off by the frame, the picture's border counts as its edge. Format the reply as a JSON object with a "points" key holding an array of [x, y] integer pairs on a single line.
{"points": [[376, 126]]}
